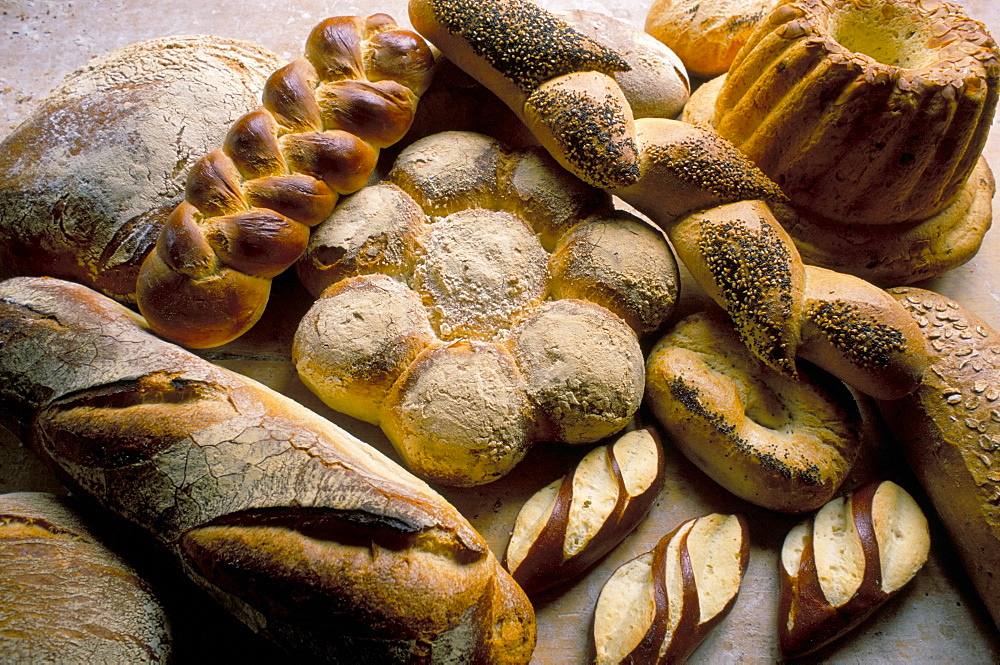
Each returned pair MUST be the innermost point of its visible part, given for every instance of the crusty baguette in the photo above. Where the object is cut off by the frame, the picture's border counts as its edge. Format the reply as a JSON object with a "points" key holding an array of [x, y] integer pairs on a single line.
{"points": [[305, 533], [950, 431], [67, 598], [249, 205]]}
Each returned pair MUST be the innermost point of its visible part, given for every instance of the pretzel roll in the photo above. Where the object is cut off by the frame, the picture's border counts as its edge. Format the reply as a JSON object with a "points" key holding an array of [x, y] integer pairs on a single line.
{"points": [[324, 117], [558, 81], [479, 300], [90, 177], [780, 443], [568, 525], [65, 597], [841, 565]]}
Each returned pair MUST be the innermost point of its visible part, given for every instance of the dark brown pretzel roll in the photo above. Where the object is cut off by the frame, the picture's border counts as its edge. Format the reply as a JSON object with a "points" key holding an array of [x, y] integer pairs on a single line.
{"points": [[248, 206]]}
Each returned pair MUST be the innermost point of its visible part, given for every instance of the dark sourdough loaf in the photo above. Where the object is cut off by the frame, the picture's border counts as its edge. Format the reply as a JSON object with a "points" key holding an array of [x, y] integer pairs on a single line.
{"points": [[305, 533]]}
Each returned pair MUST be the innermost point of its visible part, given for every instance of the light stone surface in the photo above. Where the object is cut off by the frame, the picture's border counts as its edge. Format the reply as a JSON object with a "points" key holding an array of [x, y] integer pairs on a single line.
{"points": [[936, 619]]}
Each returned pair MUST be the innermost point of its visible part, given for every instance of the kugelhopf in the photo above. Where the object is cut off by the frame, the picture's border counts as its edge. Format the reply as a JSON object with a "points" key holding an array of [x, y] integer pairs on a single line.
{"points": [[478, 300], [870, 114]]}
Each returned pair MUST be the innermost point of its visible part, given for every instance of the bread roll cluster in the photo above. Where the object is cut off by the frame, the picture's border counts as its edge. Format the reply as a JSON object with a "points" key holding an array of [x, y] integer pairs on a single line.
{"points": [[478, 300]]}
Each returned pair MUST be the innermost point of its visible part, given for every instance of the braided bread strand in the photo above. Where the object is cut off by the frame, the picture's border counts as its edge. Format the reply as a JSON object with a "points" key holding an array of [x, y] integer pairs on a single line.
{"points": [[248, 206]]}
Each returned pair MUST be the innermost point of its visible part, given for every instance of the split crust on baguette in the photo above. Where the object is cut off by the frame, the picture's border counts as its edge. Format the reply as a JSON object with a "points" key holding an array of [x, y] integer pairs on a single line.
{"points": [[293, 524]]}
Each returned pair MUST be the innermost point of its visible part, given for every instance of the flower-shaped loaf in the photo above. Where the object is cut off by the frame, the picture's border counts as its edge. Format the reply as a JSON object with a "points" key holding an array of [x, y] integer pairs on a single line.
{"points": [[478, 300]]}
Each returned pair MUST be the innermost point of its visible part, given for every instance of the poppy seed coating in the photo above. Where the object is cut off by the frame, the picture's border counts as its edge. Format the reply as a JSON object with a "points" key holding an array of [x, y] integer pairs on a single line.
{"points": [[524, 42], [753, 269], [864, 340], [714, 164], [593, 136], [688, 397]]}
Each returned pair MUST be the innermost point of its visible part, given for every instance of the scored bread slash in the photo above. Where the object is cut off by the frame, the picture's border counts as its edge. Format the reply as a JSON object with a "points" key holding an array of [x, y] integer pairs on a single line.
{"points": [[565, 527], [840, 566], [659, 606]]}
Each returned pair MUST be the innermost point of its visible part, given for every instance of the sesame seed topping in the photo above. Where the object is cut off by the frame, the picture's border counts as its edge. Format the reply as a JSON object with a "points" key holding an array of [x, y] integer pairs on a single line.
{"points": [[525, 42]]}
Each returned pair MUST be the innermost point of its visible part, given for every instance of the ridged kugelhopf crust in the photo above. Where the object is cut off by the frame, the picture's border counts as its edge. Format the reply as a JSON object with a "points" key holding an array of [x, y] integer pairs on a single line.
{"points": [[555, 79], [249, 205], [479, 300], [65, 597], [307, 534]]}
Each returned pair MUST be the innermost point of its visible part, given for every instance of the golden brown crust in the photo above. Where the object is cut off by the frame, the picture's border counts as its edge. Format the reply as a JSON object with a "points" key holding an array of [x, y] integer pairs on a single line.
{"points": [[210, 464], [949, 433], [64, 596], [489, 258], [841, 565], [323, 120], [782, 443], [557, 80], [706, 34], [93, 173]]}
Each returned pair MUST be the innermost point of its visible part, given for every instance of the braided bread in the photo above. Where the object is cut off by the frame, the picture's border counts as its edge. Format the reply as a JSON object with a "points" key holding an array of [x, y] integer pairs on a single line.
{"points": [[249, 205]]}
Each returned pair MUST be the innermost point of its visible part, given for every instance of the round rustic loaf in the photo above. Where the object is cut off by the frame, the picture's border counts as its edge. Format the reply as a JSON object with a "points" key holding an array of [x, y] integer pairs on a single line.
{"points": [[65, 597], [479, 300], [91, 175]]}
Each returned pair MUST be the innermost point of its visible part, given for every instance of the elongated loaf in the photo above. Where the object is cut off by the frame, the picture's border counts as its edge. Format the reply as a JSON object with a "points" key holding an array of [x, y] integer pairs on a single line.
{"points": [[951, 434], [558, 81], [305, 533], [65, 597]]}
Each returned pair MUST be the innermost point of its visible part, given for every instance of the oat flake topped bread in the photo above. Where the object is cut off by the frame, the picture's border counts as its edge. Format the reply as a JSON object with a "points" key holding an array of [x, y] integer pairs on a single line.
{"points": [[478, 300]]}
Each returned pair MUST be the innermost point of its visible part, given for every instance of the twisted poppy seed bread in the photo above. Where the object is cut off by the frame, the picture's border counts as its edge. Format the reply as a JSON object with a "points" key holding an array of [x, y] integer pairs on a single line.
{"points": [[91, 175], [554, 78], [783, 309], [479, 300], [305, 533], [65, 597], [248, 206]]}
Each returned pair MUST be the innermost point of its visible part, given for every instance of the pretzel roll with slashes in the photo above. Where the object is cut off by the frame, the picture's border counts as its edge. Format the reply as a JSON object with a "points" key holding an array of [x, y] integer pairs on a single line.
{"points": [[781, 443]]}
